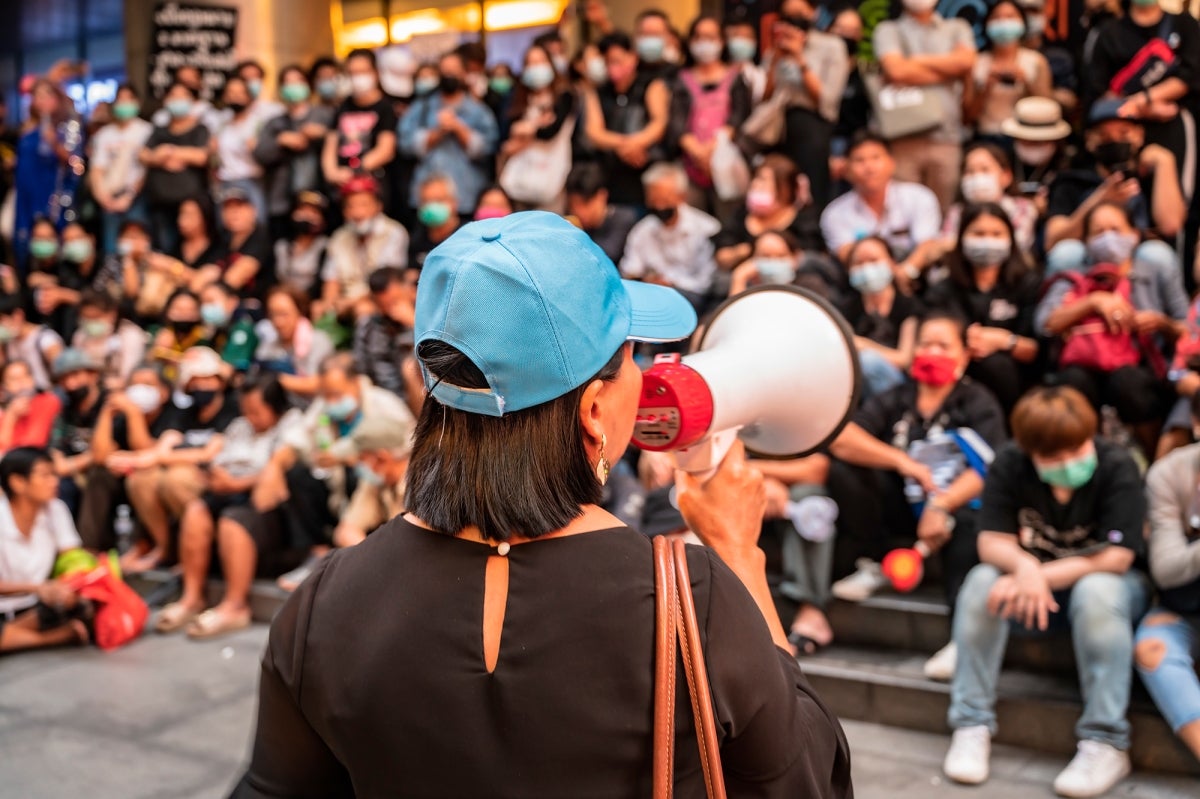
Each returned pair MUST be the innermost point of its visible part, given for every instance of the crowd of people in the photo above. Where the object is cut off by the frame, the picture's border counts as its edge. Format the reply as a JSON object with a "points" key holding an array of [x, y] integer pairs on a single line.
{"points": [[207, 324]]}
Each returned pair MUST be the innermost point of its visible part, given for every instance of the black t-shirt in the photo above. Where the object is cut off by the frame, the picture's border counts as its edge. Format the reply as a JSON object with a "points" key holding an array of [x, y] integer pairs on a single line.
{"points": [[892, 416], [157, 426], [805, 227], [209, 255], [171, 188], [1118, 40], [420, 244], [1008, 307], [73, 430], [358, 128], [1073, 186], [197, 433], [883, 330], [1109, 509], [257, 246]]}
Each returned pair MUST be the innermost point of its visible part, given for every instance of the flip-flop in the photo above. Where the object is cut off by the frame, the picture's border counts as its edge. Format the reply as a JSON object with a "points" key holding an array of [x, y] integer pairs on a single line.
{"points": [[804, 644], [174, 617], [212, 623]]}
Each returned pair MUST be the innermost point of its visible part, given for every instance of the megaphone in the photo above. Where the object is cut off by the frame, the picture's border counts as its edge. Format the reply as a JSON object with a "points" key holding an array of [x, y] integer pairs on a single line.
{"points": [[905, 568], [776, 366]]}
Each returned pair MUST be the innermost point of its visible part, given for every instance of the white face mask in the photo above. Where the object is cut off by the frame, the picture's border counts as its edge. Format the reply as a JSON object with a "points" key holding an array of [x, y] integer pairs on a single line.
{"points": [[981, 187], [919, 6], [145, 398], [363, 84], [1035, 153]]}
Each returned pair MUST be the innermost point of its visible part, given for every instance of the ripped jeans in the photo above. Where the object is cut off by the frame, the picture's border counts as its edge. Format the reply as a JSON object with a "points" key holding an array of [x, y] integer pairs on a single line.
{"points": [[1165, 646]]}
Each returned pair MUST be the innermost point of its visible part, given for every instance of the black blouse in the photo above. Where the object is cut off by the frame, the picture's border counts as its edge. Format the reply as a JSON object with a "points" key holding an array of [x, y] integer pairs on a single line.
{"points": [[374, 684]]}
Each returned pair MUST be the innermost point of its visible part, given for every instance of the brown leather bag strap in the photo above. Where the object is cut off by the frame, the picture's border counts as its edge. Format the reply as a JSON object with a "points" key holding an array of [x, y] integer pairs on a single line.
{"points": [[666, 611], [697, 677], [675, 620]]}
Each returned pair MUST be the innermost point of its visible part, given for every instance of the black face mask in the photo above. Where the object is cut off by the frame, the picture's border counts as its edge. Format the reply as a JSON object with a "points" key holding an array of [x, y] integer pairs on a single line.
{"points": [[664, 214], [236, 108], [800, 23], [450, 85], [1114, 154], [851, 45], [305, 227], [77, 395], [202, 398], [183, 329]]}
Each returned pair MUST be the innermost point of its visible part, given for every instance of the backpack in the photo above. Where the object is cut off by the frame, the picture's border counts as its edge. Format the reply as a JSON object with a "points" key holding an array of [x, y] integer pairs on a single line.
{"points": [[1089, 343], [710, 111], [1151, 64]]}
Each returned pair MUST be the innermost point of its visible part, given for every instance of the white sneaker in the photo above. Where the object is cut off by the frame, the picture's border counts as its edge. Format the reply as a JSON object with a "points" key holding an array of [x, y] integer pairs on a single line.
{"points": [[967, 760], [941, 666], [862, 584], [1094, 770]]}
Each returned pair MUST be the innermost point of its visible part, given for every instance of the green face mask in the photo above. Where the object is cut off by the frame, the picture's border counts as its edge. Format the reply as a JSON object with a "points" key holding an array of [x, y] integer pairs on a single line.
{"points": [[434, 214], [294, 92], [77, 250], [1073, 474], [125, 110], [43, 248]]}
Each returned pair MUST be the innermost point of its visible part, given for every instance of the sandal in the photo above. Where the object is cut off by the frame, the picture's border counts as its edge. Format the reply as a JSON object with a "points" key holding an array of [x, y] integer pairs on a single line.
{"points": [[174, 617], [292, 580], [213, 622]]}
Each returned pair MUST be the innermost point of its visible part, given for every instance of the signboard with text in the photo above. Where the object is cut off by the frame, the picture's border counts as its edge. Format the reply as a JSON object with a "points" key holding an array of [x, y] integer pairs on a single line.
{"points": [[186, 34]]}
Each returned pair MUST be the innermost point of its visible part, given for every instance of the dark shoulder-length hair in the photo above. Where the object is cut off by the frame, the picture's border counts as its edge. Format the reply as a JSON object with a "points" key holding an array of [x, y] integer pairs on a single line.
{"points": [[526, 473], [1012, 271], [521, 95]]}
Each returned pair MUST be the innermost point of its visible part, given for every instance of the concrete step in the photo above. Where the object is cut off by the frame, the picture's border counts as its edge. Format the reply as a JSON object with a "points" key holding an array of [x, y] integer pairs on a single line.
{"points": [[1034, 710], [920, 622]]}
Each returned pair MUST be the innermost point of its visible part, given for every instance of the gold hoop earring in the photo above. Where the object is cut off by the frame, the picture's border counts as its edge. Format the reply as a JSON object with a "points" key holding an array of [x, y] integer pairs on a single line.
{"points": [[602, 466]]}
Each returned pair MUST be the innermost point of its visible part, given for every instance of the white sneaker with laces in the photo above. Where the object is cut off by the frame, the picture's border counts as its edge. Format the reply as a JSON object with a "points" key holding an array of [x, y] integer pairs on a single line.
{"points": [[970, 751], [941, 666], [1094, 770], [862, 584]]}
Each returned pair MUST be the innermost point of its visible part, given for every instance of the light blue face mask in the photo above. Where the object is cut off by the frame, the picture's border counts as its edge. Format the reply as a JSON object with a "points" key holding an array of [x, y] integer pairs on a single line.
{"points": [[213, 314], [775, 270], [1005, 31], [368, 476], [871, 277], [741, 49], [341, 409], [650, 48]]}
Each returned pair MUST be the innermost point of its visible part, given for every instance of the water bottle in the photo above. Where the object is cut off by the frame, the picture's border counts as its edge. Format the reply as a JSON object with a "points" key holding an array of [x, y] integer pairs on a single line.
{"points": [[123, 527]]}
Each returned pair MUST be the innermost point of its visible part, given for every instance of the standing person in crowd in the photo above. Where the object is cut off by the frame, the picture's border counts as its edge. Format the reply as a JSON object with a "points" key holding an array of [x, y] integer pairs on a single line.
{"points": [[993, 287], [854, 114], [655, 42], [437, 217], [289, 148], [362, 139], [35, 528], [901, 213], [1125, 170], [300, 254], [176, 158], [928, 445], [1147, 306], [49, 164], [473, 57], [773, 204], [27, 415], [811, 67], [312, 472], [368, 241], [884, 320], [115, 173], [248, 543], [383, 450], [1166, 637], [251, 73], [116, 343], [541, 105], [1061, 527], [672, 246], [1039, 135], [588, 206], [383, 346], [28, 341], [626, 120], [741, 45], [127, 430], [709, 102], [450, 133], [1004, 73], [176, 471], [233, 147], [325, 77], [289, 344], [923, 49]]}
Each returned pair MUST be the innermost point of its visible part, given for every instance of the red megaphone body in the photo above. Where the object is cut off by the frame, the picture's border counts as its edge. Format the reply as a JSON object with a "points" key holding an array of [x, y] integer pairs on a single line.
{"points": [[905, 568]]}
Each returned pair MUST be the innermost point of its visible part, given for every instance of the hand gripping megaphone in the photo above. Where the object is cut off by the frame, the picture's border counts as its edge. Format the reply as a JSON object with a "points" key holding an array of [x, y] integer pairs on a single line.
{"points": [[776, 366]]}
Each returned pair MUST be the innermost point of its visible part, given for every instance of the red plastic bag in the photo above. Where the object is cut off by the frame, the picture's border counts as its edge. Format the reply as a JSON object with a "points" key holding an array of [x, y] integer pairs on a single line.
{"points": [[120, 613]]}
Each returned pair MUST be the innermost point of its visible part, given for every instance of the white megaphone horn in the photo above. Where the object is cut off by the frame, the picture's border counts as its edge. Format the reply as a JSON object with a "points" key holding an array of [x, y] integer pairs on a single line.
{"points": [[776, 366]]}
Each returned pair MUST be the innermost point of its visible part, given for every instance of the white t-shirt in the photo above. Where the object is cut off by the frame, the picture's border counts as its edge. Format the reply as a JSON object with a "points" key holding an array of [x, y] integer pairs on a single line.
{"points": [[235, 149], [115, 151], [30, 560]]}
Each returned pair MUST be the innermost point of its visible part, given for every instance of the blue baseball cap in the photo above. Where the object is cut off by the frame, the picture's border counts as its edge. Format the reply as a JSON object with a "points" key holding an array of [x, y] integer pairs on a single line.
{"points": [[537, 307]]}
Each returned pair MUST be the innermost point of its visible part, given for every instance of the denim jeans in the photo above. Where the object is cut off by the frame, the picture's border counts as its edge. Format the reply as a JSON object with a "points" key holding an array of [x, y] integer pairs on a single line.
{"points": [[1172, 683], [878, 373], [1100, 611], [110, 224]]}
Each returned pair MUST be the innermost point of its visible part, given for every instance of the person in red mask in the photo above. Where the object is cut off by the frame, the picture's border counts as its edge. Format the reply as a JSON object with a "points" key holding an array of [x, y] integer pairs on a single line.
{"points": [[911, 466]]}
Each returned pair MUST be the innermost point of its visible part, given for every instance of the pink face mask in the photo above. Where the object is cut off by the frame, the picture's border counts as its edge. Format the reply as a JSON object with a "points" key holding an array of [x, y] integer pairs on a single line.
{"points": [[489, 212], [759, 201]]}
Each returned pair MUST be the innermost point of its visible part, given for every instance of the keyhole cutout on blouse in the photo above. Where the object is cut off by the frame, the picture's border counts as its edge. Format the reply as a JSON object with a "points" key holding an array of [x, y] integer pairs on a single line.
{"points": [[495, 601]]}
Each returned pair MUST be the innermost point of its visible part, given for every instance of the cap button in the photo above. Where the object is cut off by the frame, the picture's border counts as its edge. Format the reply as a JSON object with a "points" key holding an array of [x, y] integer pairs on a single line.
{"points": [[494, 236]]}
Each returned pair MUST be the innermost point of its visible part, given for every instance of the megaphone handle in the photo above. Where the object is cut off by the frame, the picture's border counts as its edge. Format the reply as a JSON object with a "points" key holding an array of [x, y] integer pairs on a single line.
{"points": [[702, 459]]}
